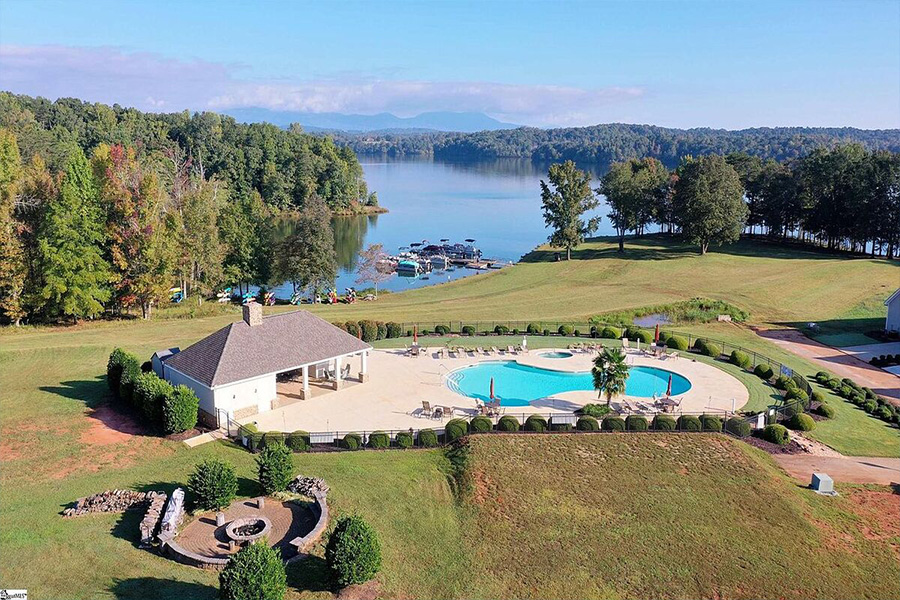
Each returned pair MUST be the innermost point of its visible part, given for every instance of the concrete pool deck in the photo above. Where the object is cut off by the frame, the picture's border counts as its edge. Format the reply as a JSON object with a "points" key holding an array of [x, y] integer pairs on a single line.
{"points": [[398, 384]]}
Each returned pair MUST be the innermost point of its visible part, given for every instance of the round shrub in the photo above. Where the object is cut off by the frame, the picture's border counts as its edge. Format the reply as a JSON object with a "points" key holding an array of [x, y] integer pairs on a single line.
{"points": [[859, 399], [612, 423], [270, 437], [610, 333], [381, 326], [379, 440], [594, 332], [710, 423], [352, 327], [114, 366], [501, 329], [255, 571], [797, 394], [818, 396], [870, 394], [274, 467], [298, 441], [180, 409], [508, 423], [213, 483], [884, 413], [741, 359], [833, 384], [352, 441], [710, 349], [533, 329], [563, 426], [536, 423], [480, 424], [822, 375], [777, 434], [688, 423], [546, 332], [801, 423], [576, 333], [782, 382], [467, 330], [826, 411], [565, 330], [353, 553], [635, 423], [645, 337], [737, 426], [441, 329], [869, 406], [428, 438], [455, 429], [663, 423], [404, 439], [676, 342], [587, 423], [369, 331], [764, 372], [846, 391], [393, 330], [515, 331], [595, 410]]}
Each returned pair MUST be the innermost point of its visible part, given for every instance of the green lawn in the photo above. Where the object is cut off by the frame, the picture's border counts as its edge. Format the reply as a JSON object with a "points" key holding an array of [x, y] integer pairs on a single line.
{"points": [[674, 516]]}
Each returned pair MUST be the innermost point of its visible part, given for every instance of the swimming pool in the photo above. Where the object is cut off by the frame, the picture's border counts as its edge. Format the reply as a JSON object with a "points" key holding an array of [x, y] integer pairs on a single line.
{"points": [[555, 354], [519, 385]]}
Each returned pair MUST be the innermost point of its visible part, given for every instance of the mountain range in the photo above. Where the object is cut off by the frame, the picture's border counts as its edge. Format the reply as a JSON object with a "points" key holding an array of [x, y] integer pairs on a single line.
{"points": [[465, 122]]}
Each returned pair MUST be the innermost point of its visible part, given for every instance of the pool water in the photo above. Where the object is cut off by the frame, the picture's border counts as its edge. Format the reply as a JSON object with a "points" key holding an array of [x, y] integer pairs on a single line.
{"points": [[555, 354], [519, 385]]}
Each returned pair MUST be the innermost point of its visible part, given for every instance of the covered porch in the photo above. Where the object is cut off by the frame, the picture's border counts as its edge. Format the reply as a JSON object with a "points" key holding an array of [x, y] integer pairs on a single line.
{"points": [[312, 380]]}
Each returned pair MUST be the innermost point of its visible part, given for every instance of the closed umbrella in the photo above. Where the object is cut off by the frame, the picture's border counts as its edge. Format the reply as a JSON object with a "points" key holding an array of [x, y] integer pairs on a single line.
{"points": [[415, 335], [656, 337], [492, 388], [669, 389]]}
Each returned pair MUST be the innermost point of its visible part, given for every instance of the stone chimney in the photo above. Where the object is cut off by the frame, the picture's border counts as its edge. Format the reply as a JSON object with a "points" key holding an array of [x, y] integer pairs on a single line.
{"points": [[253, 314]]}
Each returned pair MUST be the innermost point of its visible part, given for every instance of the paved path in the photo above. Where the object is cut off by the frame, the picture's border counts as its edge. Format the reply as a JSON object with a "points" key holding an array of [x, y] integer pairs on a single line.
{"points": [[848, 469], [836, 361]]}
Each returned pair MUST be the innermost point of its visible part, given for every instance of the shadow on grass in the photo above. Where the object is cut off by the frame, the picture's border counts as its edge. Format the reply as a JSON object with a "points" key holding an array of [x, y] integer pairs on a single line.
{"points": [[310, 575], [92, 392], [140, 588]]}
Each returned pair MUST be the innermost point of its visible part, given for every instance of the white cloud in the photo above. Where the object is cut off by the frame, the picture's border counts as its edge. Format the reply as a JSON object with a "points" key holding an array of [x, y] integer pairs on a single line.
{"points": [[154, 82]]}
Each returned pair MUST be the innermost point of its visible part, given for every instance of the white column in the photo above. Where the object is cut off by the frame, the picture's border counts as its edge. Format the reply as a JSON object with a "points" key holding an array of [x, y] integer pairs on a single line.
{"points": [[305, 392], [363, 366], [337, 373]]}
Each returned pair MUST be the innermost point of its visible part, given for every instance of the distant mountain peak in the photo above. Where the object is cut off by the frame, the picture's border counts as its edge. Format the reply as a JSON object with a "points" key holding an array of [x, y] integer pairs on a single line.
{"points": [[466, 122]]}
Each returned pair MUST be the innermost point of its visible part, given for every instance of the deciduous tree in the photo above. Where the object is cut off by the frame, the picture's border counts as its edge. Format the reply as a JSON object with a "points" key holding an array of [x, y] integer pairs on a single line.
{"points": [[709, 202], [565, 200]]}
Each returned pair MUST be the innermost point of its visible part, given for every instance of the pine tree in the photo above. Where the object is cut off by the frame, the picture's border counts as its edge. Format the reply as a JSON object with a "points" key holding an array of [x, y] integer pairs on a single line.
{"points": [[75, 274]]}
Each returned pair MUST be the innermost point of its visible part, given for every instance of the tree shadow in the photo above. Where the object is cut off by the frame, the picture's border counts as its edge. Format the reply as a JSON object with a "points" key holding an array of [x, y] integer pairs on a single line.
{"points": [[635, 249], [92, 392], [140, 588], [870, 327], [310, 574]]}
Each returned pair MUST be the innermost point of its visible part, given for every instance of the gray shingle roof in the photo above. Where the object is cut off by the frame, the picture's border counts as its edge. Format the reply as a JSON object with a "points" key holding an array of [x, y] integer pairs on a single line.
{"points": [[281, 342]]}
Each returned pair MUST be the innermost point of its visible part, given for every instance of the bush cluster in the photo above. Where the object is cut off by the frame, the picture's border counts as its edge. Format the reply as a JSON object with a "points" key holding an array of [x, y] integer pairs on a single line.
{"points": [[298, 441], [393, 330], [587, 423], [635, 423], [501, 329], [610, 333], [428, 438], [441, 329], [353, 552], [352, 441], [612, 423], [480, 424], [404, 439], [737, 426], [663, 423], [369, 331], [180, 409], [676, 342], [707, 348], [467, 330], [825, 411], [533, 329], [711, 423], [565, 330], [688, 423], [595, 410], [455, 429], [255, 571]]}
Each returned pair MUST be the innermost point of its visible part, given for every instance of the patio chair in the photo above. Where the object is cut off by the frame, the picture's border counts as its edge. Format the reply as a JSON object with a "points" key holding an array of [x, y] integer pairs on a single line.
{"points": [[672, 355], [447, 411], [438, 412], [495, 350], [423, 351], [452, 353], [625, 345], [426, 409], [479, 350], [510, 350], [345, 372]]}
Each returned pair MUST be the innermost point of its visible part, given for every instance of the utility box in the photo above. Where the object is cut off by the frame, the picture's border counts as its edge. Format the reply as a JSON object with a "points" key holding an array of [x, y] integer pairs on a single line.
{"points": [[822, 484]]}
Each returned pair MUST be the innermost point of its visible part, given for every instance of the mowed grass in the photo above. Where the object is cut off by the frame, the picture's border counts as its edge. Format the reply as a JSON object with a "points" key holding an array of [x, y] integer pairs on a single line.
{"points": [[667, 516], [774, 284]]}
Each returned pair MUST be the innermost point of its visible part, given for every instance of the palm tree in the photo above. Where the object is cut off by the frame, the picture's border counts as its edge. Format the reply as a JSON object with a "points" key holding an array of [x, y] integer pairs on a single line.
{"points": [[610, 373]]}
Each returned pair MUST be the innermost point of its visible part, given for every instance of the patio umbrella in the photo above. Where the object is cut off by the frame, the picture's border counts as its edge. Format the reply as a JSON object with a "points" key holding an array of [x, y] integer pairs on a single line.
{"points": [[492, 388], [656, 337], [669, 389], [415, 334]]}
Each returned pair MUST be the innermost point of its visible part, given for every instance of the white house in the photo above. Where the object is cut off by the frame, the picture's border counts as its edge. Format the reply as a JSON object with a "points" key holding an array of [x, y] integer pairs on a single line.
{"points": [[892, 323], [234, 371]]}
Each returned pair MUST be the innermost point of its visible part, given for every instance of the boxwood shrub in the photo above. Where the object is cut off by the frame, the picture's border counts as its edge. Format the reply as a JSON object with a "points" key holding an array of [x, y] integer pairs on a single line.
{"points": [[352, 327], [441, 329], [298, 441], [688, 423], [801, 422], [565, 330], [381, 328], [369, 330], [114, 366], [275, 468], [782, 382], [635, 423], [764, 372], [663, 423], [795, 393], [818, 396], [455, 429], [379, 440], [612, 423], [131, 371], [611, 333], [467, 330], [180, 409], [826, 411], [501, 329], [564, 426], [777, 434], [480, 424], [533, 329], [428, 438], [587, 423], [404, 439], [353, 552], [737, 426], [546, 332], [707, 348], [536, 423], [393, 330], [213, 483], [869, 406], [711, 423], [595, 410], [508, 423], [676, 342], [352, 441], [255, 571], [883, 412], [645, 337], [741, 359], [150, 392]]}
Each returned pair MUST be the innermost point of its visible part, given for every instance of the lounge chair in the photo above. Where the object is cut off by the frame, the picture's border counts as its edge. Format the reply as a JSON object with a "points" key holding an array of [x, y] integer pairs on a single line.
{"points": [[452, 353], [479, 350], [426, 409], [447, 411], [625, 345], [510, 350], [495, 350], [519, 349], [423, 351], [672, 355], [438, 412]]}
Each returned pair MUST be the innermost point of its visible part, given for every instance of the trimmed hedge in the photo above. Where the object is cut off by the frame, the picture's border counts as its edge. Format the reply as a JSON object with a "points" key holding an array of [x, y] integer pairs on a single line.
{"points": [[536, 423], [467, 330], [180, 409], [114, 366], [707, 348], [508, 423], [404, 439], [688, 423], [710, 423], [635, 423], [274, 467], [455, 429], [369, 330], [481, 424], [393, 330], [663, 423], [676, 342], [737, 426], [802, 422], [131, 372], [379, 440], [352, 441], [825, 411], [795, 393], [352, 327], [501, 329], [764, 372], [587, 423], [149, 393], [298, 441], [645, 337], [611, 333], [428, 438], [777, 434], [817, 396], [563, 426], [741, 359], [612, 423], [382, 329], [565, 330], [441, 329], [533, 329], [783, 382]]}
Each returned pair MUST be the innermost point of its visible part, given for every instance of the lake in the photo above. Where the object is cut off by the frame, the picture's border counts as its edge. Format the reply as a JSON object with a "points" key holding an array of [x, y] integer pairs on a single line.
{"points": [[496, 203]]}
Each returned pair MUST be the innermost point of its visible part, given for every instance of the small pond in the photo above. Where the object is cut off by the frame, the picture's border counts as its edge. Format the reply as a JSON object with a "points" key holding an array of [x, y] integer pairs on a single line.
{"points": [[652, 320]]}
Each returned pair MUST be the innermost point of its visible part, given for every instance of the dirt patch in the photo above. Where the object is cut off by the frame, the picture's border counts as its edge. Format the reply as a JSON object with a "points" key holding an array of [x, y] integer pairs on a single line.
{"points": [[109, 426], [847, 469], [878, 511], [791, 447], [369, 590]]}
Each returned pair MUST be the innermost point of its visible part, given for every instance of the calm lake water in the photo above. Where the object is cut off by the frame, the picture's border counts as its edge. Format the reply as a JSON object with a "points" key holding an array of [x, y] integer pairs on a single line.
{"points": [[496, 203]]}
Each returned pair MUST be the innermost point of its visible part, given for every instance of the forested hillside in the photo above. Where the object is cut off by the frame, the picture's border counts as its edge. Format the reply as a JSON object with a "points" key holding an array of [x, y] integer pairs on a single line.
{"points": [[603, 144]]}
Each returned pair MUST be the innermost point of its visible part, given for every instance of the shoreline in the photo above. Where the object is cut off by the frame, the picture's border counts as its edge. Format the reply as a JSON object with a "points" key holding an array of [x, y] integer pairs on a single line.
{"points": [[360, 210]]}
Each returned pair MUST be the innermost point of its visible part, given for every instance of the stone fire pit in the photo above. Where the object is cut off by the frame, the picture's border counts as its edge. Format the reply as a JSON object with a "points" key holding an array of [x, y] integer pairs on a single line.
{"points": [[248, 529]]}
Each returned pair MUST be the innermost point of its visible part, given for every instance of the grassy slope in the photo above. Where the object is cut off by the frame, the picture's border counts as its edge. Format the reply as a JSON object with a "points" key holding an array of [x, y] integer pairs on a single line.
{"points": [[609, 516]]}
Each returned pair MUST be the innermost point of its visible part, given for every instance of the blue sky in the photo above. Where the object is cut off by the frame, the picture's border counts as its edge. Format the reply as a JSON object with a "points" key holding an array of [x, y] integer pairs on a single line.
{"points": [[681, 64]]}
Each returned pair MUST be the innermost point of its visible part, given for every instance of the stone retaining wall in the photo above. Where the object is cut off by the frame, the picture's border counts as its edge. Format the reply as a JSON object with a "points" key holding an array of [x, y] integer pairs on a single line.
{"points": [[304, 544], [110, 501]]}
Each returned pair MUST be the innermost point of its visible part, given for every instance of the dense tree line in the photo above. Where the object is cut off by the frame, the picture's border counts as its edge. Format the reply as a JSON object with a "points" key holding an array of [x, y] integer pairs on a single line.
{"points": [[104, 209], [604, 144], [841, 198]]}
